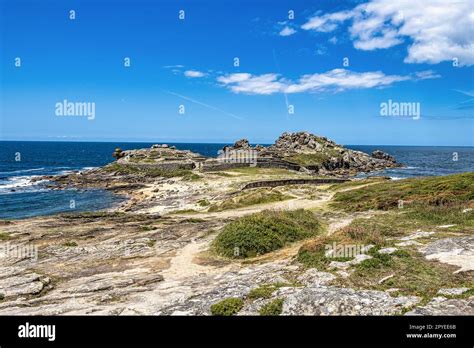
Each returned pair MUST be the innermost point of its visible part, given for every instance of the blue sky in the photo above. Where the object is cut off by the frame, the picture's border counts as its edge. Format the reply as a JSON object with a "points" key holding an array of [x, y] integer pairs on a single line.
{"points": [[397, 51]]}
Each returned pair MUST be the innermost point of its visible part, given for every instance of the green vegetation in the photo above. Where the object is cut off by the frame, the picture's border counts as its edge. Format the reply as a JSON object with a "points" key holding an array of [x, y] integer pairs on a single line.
{"points": [[194, 220], [377, 261], [227, 307], [273, 308], [4, 236], [434, 191], [412, 274], [151, 243], [185, 211], [312, 254], [309, 159], [265, 290], [190, 176], [203, 202], [70, 244], [251, 197], [92, 215], [149, 171], [359, 182], [266, 231]]}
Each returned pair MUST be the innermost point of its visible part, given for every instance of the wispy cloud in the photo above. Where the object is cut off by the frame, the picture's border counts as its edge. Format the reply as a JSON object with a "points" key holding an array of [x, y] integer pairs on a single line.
{"points": [[194, 73], [465, 104], [287, 31], [336, 80], [177, 66], [203, 104], [437, 29]]}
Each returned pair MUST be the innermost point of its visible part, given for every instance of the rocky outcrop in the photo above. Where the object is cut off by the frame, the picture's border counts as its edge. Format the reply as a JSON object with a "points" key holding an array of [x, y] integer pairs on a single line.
{"points": [[383, 156], [301, 151], [118, 153], [458, 251], [321, 155], [444, 306]]}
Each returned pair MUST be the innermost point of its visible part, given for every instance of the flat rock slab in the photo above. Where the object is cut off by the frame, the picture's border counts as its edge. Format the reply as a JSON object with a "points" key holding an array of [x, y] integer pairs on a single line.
{"points": [[342, 301], [453, 291], [444, 306], [14, 283], [457, 251]]}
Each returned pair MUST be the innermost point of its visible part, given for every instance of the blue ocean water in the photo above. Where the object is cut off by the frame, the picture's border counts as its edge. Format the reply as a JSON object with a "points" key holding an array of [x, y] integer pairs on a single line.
{"points": [[21, 161]]}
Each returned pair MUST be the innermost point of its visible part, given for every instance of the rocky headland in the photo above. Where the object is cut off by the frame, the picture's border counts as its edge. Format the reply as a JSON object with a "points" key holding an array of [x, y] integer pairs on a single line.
{"points": [[192, 237]]}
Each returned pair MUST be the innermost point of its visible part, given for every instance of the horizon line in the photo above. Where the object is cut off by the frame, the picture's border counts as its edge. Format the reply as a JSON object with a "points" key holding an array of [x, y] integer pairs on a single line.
{"points": [[201, 142]]}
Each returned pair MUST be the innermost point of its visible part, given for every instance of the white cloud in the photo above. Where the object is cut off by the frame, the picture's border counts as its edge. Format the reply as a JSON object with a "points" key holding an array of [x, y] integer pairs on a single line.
{"points": [[327, 22], [194, 73], [251, 84], [342, 79], [426, 75], [287, 31], [333, 80], [435, 30]]}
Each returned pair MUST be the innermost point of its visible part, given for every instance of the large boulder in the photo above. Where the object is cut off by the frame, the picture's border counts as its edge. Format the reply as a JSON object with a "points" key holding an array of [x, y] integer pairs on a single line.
{"points": [[383, 156]]}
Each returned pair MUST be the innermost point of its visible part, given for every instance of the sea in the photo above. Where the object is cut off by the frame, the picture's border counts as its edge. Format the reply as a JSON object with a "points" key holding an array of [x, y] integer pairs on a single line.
{"points": [[23, 161]]}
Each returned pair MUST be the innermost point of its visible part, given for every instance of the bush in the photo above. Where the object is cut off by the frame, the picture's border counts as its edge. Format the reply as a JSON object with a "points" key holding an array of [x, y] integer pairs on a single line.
{"points": [[264, 232], [227, 307], [273, 308]]}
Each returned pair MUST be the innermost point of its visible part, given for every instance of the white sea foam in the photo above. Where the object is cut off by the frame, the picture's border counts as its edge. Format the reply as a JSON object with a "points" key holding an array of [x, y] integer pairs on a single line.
{"points": [[19, 183], [21, 171]]}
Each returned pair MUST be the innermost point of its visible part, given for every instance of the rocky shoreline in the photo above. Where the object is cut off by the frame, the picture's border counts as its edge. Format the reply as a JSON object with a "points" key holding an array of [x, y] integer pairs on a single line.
{"points": [[153, 254]]}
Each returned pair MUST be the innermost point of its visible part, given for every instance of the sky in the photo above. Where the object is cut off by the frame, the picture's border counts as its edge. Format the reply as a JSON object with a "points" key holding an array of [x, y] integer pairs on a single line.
{"points": [[218, 71]]}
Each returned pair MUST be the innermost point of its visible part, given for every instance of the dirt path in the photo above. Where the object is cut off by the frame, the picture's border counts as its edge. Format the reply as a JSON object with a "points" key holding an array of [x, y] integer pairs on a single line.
{"points": [[182, 265]]}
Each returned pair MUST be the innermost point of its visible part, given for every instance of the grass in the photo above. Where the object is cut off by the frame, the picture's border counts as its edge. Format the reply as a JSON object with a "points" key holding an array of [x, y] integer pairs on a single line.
{"points": [[203, 202], [184, 211], [4, 236], [355, 183], [410, 271], [378, 260], [433, 191], [266, 231], [252, 197], [265, 290], [273, 308], [92, 215], [412, 274], [70, 244], [193, 220], [312, 253], [227, 307], [309, 159], [149, 171]]}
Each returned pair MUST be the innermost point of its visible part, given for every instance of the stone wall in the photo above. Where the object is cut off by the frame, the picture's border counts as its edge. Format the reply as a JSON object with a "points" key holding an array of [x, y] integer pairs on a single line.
{"points": [[275, 183]]}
